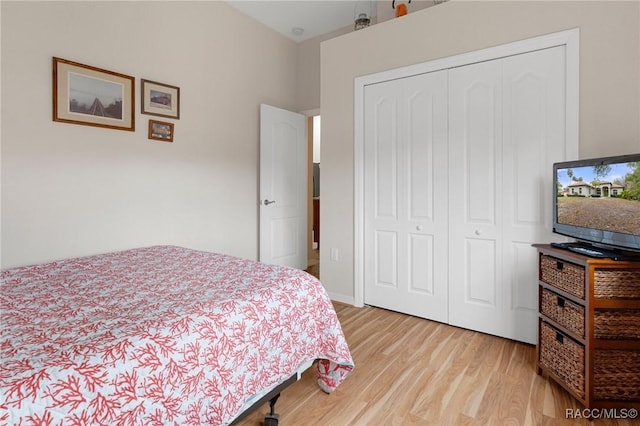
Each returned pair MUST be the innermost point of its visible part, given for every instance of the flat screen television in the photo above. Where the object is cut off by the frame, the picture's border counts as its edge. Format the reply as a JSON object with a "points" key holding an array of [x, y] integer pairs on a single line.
{"points": [[597, 202]]}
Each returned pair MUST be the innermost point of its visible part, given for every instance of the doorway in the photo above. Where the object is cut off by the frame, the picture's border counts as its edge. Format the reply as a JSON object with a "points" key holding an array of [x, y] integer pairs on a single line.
{"points": [[313, 205]]}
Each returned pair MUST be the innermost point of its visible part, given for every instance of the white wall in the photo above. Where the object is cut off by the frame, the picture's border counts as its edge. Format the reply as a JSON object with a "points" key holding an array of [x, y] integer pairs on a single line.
{"points": [[308, 69], [609, 87], [70, 190]]}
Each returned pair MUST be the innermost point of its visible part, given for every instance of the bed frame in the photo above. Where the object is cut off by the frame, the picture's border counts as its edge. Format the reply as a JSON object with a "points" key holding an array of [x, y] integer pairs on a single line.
{"points": [[271, 418]]}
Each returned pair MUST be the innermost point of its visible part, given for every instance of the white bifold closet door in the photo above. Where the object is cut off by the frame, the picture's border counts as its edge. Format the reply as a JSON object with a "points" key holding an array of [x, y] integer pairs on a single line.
{"points": [[457, 184], [506, 128], [405, 223]]}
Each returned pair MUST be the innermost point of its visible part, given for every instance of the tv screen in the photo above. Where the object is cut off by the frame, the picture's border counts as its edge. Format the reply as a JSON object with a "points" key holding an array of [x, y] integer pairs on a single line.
{"points": [[598, 201]]}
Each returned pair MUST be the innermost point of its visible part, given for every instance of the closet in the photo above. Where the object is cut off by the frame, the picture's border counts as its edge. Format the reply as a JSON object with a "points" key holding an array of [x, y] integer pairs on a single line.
{"points": [[456, 186]]}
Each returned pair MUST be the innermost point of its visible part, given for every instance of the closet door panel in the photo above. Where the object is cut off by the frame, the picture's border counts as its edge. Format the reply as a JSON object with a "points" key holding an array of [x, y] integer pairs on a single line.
{"points": [[481, 112], [506, 129], [475, 202], [386, 255], [405, 156], [426, 176], [382, 226], [534, 138], [478, 254], [421, 185], [385, 159], [421, 267]]}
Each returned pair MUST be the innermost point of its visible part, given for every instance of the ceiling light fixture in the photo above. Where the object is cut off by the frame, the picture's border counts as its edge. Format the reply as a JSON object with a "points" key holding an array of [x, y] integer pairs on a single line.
{"points": [[297, 31]]}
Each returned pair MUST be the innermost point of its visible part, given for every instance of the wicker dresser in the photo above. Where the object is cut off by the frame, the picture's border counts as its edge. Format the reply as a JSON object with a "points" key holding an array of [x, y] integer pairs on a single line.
{"points": [[589, 326]]}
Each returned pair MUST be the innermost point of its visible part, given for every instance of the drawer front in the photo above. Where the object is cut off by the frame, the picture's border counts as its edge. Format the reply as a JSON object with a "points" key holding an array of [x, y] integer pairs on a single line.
{"points": [[562, 356], [563, 275], [563, 311], [616, 284], [616, 375], [616, 324]]}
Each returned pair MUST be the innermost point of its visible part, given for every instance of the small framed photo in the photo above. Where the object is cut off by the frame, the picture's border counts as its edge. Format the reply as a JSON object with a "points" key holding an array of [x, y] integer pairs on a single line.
{"points": [[160, 99], [91, 96], [160, 131]]}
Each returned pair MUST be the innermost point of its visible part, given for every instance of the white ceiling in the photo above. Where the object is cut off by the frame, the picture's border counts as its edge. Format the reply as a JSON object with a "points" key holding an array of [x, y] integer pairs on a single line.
{"points": [[315, 17]]}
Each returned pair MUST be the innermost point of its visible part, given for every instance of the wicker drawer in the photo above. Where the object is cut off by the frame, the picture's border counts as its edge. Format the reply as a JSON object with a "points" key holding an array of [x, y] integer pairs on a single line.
{"points": [[616, 283], [563, 357], [563, 311], [616, 375], [563, 275], [617, 324]]}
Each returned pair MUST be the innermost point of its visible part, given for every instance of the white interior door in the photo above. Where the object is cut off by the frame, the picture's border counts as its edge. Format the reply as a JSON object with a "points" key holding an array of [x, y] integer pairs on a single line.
{"points": [[405, 173], [475, 175], [507, 126], [283, 187], [534, 137]]}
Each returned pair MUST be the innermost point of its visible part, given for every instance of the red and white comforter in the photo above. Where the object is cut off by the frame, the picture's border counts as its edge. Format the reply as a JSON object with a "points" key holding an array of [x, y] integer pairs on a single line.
{"points": [[158, 336]]}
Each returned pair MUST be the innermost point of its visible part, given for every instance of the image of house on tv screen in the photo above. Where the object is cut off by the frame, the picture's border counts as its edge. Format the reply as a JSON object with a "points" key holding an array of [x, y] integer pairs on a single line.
{"points": [[604, 197]]}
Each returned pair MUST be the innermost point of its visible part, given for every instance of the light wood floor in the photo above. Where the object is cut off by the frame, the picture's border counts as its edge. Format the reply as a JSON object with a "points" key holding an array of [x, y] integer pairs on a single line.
{"points": [[313, 263], [411, 371]]}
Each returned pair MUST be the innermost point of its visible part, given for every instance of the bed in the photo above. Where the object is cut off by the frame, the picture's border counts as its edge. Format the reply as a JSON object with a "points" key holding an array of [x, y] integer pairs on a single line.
{"points": [[160, 335]]}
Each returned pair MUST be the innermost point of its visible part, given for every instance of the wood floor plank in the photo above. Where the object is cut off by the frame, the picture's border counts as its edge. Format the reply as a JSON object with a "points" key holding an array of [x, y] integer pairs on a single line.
{"points": [[411, 371]]}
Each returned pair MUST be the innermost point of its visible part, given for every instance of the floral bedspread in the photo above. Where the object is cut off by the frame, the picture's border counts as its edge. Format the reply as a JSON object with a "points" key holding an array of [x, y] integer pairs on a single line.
{"points": [[158, 336]]}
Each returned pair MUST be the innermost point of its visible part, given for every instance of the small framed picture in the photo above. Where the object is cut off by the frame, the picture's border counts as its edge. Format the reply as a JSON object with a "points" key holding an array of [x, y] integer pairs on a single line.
{"points": [[160, 131], [91, 96], [160, 99]]}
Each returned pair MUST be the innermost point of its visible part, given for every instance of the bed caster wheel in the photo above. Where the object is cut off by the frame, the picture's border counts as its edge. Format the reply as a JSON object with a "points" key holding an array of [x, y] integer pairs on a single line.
{"points": [[271, 420]]}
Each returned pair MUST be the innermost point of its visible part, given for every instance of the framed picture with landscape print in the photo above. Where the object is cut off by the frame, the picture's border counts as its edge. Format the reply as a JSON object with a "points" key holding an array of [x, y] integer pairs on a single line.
{"points": [[160, 131], [160, 99], [91, 96]]}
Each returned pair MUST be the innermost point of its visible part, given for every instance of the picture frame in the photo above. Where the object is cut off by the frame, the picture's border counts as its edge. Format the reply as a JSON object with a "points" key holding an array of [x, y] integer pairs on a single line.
{"points": [[160, 131], [92, 96], [160, 99]]}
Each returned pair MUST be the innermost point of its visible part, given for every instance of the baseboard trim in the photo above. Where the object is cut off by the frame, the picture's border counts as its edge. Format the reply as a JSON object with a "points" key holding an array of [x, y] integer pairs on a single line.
{"points": [[349, 300]]}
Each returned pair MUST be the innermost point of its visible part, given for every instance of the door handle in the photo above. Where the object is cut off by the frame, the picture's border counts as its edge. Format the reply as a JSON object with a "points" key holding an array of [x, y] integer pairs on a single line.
{"points": [[267, 202]]}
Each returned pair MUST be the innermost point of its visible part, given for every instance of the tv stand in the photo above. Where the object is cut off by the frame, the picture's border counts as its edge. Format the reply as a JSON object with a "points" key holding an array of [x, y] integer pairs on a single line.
{"points": [[593, 251], [589, 326]]}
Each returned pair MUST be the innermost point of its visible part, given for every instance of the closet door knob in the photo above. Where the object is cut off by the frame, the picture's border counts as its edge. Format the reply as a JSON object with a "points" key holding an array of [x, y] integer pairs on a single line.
{"points": [[419, 227]]}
